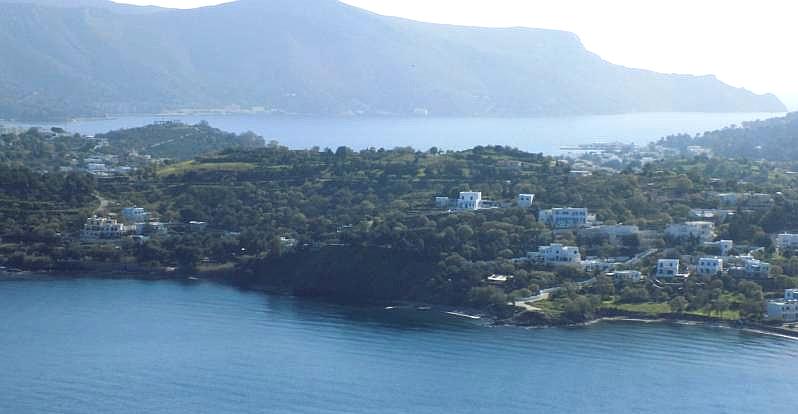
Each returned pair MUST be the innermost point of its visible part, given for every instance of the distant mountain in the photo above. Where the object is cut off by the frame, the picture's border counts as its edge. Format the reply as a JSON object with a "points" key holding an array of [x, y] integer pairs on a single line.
{"points": [[773, 139], [316, 57]]}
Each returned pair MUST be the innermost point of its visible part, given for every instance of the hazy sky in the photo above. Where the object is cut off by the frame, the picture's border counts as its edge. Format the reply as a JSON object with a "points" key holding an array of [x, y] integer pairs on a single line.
{"points": [[744, 42]]}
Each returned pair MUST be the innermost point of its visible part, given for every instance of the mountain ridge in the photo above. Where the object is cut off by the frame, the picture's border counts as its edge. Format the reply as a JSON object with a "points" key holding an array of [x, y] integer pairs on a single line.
{"points": [[329, 59]]}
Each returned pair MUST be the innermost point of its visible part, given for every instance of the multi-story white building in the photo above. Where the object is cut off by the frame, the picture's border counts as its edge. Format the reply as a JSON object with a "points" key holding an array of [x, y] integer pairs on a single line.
{"points": [[564, 218], [710, 266], [135, 215], [556, 254], [525, 200], [756, 268], [702, 230], [442, 202], [668, 269], [787, 241], [101, 228], [784, 310], [469, 200], [747, 266]]}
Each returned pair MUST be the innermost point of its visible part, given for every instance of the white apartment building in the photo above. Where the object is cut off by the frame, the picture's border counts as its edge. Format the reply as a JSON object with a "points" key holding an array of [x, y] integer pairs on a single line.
{"points": [[757, 269], [785, 310], [668, 269], [703, 230], [525, 200], [135, 215], [564, 218], [556, 254], [710, 266], [469, 200], [101, 228], [787, 241]]}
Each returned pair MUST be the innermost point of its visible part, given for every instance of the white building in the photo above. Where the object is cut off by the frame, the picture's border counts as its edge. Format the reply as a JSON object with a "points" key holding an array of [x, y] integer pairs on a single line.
{"points": [[556, 254], [668, 269], [626, 276], [711, 214], [469, 200], [598, 265], [135, 215], [785, 310], [702, 230], [756, 268], [787, 241], [710, 266], [525, 200], [564, 218], [101, 228], [498, 279]]}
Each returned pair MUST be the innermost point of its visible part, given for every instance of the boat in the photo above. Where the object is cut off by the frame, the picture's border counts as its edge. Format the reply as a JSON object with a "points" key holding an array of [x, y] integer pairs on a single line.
{"points": [[424, 308]]}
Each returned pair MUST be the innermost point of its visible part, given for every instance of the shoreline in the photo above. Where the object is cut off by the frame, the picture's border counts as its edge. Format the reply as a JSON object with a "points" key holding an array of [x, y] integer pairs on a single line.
{"points": [[462, 313]]}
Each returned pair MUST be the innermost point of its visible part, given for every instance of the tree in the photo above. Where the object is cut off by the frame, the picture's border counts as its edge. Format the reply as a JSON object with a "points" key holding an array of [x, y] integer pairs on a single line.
{"points": [[487, 296], [604, 286], [632, 294], [678, 304], [579, 309]]}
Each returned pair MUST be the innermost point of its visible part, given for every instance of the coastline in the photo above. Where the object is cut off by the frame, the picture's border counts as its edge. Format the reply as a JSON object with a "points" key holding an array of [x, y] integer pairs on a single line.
{"points": [[463, 313]]}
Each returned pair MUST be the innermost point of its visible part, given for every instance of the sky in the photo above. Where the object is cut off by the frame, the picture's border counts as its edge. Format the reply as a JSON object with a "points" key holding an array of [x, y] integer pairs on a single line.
{"points": [[744, 43]]}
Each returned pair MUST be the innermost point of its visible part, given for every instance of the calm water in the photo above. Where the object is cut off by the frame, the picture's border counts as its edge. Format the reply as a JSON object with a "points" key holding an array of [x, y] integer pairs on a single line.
{"points": [[91, 346], [545, 135]]}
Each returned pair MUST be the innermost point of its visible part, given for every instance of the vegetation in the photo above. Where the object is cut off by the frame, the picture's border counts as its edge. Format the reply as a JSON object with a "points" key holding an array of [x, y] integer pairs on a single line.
{"points": [[771, 139], [362, 225], [176, 140]]}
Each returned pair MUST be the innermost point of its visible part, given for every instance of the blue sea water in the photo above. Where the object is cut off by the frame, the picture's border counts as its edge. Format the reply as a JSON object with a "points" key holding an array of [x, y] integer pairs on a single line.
{"points": [[126, 346], [544, 135]]}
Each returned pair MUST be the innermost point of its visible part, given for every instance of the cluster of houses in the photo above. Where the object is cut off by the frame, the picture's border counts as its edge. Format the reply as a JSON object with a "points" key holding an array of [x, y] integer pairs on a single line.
{"points": [[135, 221], [472, 200], [701, 231]]}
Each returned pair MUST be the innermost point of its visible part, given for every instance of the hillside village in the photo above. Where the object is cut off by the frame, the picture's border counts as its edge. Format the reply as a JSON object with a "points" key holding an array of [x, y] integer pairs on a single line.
{"points": [[616, 228]]}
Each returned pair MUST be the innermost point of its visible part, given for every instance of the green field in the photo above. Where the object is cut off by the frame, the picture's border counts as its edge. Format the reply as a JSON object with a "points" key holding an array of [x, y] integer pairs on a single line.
{"points": [[184, 167]]}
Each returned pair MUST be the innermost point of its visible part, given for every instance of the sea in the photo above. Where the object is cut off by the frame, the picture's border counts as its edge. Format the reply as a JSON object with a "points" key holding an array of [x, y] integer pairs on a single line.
{"points": [[128, 346], [540, 135]]}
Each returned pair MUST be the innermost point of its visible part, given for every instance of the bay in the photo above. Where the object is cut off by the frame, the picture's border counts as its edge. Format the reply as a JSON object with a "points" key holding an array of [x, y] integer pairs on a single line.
{"points": [[546, 135]]}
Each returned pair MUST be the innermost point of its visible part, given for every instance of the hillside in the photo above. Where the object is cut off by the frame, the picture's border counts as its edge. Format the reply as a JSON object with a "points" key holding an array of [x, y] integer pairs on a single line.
{"points": [[772, 139], [177, 141], [316, 57]]}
